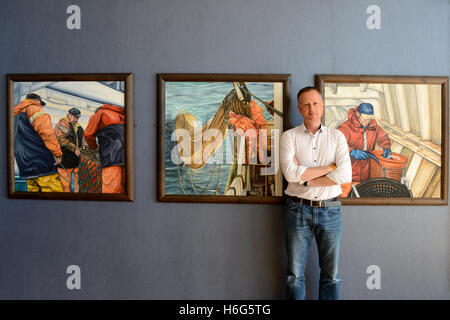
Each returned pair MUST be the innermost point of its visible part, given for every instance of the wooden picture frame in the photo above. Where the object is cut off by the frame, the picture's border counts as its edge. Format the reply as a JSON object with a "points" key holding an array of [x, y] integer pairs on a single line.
{"points": [[175, 88], [413, 111], [61, 92]]}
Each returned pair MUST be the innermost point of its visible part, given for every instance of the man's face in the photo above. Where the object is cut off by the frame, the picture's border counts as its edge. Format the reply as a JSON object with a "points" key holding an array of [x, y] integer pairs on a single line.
{"points": [[310, 105], [72, 119], [38, 102], [364, 121]]}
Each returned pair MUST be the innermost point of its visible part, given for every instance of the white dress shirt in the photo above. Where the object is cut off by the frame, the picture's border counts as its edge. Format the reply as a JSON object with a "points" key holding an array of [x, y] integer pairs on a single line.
{"points": [[325, 147]]}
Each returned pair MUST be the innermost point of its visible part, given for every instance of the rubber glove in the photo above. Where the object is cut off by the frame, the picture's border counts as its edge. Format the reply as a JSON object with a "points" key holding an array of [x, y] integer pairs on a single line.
{"points": [[362, 155], [387, 153], [359, 154]]}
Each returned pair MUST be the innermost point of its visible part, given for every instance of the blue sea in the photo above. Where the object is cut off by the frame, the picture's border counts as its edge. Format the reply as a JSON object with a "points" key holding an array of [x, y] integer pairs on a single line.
{"points": [[202, 99]]}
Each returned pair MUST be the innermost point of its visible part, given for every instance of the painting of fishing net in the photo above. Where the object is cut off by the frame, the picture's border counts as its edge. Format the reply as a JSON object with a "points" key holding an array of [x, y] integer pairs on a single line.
{"points": [[393, 127], [90, 172], [221, 139]]}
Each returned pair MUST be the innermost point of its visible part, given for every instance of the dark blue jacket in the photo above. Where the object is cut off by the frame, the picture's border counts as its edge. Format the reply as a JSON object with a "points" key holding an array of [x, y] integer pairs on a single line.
{"points": [[111, 145], [32, 156]]}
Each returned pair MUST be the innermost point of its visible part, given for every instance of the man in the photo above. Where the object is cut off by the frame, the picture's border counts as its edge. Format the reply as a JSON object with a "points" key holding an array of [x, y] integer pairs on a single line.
{"points": [[36, 148], [107, 127], [315, 161], [362, 133], [71, 138]]}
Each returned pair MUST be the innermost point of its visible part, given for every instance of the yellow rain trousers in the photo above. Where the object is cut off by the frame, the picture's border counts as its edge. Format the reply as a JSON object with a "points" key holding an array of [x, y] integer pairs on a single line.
{"points": [[50, 183]]}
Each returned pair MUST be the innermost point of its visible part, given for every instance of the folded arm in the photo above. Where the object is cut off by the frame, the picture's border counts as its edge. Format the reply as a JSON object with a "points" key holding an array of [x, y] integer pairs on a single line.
{"points": [[292, 171], [323, 181], [343, 172], [315, 172]]}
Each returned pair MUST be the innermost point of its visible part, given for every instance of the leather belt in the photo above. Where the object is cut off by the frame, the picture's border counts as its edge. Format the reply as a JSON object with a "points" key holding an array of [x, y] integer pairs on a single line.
{"points": [[320, 203]]}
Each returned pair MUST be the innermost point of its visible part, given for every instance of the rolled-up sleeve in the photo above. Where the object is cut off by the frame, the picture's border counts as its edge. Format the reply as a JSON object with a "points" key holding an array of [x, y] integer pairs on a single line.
{"points": [[343, 172], [291, 171]]}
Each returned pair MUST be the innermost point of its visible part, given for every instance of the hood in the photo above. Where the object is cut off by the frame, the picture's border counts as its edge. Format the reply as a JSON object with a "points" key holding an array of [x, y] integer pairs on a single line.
{"points": [[21, 106], [356, 125], [112, 107]]}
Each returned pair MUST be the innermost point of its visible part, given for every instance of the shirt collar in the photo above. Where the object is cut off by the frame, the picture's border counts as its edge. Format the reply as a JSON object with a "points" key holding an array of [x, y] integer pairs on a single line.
{"points": [[304, 130]]}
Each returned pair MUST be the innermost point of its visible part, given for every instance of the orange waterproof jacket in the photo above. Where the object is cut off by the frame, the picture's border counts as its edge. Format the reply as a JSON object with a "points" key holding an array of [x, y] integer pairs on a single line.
{"points": [[354, 133], [41, 122]]}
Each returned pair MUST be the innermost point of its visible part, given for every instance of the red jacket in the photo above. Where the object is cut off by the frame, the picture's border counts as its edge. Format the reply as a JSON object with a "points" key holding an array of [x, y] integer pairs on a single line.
{"points": [[354, 133]]}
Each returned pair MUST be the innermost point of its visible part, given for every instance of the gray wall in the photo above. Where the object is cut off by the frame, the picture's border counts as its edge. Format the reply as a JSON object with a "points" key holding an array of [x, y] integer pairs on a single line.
{"points": [[156, 250]]}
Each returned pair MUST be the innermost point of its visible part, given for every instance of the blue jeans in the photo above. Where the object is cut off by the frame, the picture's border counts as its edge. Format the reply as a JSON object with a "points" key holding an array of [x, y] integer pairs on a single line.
{"points": [[325, 224]]}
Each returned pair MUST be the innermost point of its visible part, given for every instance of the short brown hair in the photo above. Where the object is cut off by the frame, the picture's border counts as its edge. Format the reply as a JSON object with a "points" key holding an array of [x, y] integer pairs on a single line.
{"points": [[306, 89]]}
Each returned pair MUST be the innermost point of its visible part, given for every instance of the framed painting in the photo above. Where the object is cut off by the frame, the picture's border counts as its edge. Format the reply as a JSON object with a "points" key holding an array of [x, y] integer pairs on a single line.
{"points": [[70, 136], [218, 137], [397, 132]]}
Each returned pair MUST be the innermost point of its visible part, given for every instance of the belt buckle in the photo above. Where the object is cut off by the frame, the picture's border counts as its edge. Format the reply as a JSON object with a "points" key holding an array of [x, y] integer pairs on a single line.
{"points": [[320, 203]]}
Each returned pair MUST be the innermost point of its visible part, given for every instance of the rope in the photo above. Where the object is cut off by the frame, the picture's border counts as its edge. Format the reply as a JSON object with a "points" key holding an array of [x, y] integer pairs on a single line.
{"points": [[210, 178], [65, 169], [218, 179], [190, 178], [179, 179], [195, 186], [278, 112]]}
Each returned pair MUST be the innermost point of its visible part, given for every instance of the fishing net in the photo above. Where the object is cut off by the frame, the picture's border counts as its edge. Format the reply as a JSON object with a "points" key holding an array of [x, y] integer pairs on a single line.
{"points": [[90, 172]]}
